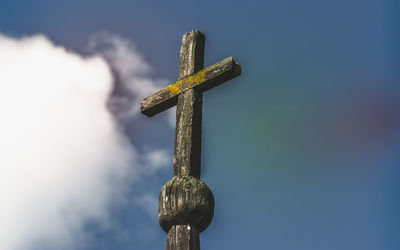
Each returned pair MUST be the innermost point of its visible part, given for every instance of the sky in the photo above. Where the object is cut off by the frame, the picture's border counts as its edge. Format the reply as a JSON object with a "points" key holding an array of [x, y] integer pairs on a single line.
{"points": [[300, 151]]}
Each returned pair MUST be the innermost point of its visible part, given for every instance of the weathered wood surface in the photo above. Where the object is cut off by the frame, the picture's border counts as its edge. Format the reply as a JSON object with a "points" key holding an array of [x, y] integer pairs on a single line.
{"points": [[185, 200], [183, 237], [186, 204], [204, 80], [191, 57], [187, 155]]}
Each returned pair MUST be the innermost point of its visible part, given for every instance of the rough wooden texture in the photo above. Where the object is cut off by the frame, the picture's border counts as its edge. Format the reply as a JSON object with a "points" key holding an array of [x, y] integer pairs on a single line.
{"points": [[205, 79], [191, 58], [186, 204], [189, 110], [187, 156], [183, 237], [185, 200]]}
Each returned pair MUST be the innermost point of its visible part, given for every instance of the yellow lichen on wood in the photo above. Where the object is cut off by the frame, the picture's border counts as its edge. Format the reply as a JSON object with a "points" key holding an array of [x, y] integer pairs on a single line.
{"points": [[203, 80], [195, 79], [175, 88]]}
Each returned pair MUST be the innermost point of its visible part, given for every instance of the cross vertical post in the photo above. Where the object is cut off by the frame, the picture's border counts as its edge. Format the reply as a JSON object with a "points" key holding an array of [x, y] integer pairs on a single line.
{"points": [[187, 155], [186, 204]]}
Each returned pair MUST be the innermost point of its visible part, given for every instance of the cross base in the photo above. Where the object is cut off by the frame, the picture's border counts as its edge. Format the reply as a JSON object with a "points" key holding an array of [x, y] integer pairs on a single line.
{"points": [[183, 237]]}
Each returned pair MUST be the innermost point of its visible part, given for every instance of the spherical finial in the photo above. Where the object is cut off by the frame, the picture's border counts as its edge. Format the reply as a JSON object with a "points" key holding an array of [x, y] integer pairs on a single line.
{"points": [[185, 200]]}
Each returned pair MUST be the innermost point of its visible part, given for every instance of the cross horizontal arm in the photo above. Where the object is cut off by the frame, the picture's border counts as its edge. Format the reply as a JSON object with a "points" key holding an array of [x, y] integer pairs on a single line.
{"points": [[205, 79]]}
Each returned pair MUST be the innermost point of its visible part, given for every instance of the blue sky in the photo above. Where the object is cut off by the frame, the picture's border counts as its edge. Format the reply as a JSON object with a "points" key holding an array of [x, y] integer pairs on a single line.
{"points": [[301, 150]]}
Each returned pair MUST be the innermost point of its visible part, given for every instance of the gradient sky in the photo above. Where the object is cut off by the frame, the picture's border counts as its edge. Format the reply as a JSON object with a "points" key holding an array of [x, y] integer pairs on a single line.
{"points": [[301, 150]]}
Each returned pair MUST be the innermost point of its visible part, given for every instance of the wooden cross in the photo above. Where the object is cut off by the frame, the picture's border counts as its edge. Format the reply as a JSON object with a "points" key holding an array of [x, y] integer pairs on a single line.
{"points": [[186, 204]]}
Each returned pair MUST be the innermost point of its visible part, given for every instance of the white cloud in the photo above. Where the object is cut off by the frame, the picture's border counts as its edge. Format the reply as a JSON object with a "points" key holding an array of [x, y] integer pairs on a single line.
{"points": [[171, 116], [132, 71], [64, 157], [154, 160]]}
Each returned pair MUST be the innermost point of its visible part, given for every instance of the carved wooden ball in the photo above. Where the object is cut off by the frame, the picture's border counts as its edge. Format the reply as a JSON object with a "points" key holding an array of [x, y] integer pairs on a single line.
{"points": [[185, 200]]}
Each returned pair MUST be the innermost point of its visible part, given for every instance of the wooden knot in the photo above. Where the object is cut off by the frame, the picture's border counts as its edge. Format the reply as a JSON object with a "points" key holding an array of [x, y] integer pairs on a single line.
{"points": [[185, 200]]}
